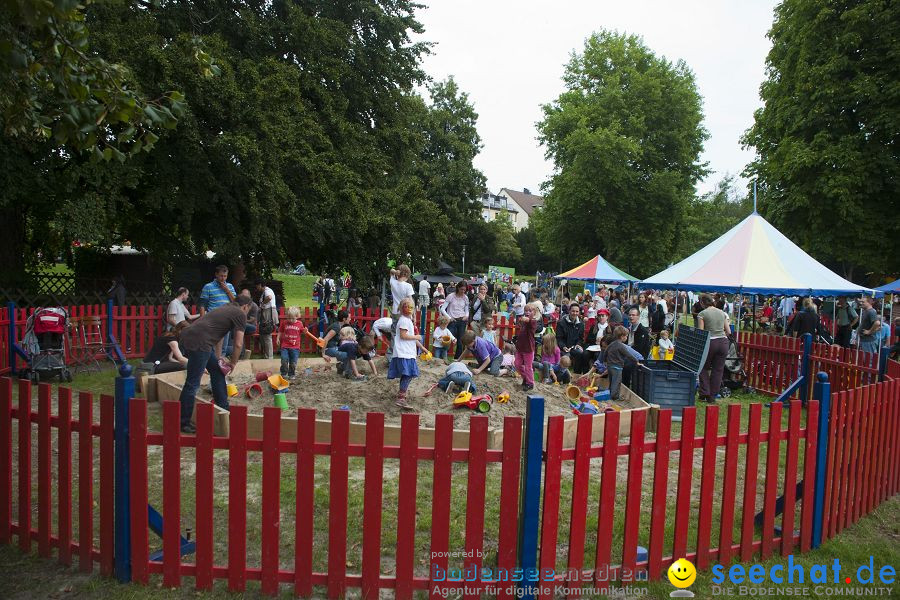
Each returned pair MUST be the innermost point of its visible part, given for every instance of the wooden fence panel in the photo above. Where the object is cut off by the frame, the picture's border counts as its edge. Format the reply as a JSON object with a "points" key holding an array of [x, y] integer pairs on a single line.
{"points": [[729, 487], [771, 482]]}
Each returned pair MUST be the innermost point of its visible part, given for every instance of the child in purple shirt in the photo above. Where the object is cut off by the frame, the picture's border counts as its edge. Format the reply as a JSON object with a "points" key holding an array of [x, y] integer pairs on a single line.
{"points": [[487, 355]]}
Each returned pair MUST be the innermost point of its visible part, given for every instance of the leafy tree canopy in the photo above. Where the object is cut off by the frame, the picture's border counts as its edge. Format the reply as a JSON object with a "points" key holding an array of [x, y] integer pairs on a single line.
{"points": [[533, 258], [827, 138], [54, 86], [307, 143], [625, 138]]}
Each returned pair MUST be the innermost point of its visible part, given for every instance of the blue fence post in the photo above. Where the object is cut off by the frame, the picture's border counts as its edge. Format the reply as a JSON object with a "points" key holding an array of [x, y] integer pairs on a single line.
{"points": [[424, 321], [822, 393], [804, 368], [323, 320], [109, 319], [11, 346], [529, 515], [124, 393]]}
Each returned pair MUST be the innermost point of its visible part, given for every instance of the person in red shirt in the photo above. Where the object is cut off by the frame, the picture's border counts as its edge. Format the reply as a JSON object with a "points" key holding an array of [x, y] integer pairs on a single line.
{"points": [[289, 335]]}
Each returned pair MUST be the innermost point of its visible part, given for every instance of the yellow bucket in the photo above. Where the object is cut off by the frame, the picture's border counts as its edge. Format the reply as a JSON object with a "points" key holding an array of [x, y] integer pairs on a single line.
{"points": [[573, 392], [232, 390]]}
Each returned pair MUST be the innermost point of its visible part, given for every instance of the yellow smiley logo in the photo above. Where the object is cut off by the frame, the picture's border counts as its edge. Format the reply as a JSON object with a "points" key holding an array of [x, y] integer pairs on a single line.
{"points": [[682, 573]]}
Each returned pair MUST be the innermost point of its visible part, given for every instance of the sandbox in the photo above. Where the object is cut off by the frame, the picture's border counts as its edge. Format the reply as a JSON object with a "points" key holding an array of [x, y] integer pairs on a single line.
{"points": [[319, 387]]}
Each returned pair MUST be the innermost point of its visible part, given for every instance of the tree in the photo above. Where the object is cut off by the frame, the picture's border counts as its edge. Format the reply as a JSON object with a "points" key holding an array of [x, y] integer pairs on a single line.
{"points": [[55, 86], [827, 138], [451, 142], [533, 259], [709, 216], [625, 138], [310, 143], [506, 249]]}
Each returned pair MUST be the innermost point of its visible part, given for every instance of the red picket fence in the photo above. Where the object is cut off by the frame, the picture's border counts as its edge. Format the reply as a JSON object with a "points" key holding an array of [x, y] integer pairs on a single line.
{"points": [[863, 467], [135, 328], [593, 513], [713, 496], [772, 363], [92, 520], [763, 485], [298, 570]]}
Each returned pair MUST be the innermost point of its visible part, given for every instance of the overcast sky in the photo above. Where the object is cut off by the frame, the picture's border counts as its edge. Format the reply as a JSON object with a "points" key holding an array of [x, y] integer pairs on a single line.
{"points": [[509, 57]]}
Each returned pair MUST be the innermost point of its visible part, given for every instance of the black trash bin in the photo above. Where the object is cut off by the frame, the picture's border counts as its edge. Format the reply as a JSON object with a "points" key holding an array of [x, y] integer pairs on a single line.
{"points": [[673, 383]]}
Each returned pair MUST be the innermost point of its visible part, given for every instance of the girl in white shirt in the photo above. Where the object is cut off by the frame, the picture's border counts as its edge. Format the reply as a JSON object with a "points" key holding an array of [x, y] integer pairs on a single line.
{"points": [[403, 363], [437, 343]]}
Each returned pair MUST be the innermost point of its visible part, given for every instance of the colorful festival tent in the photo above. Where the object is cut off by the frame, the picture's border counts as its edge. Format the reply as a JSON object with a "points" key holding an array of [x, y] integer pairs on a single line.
{"points": [[755, 258], [597, 269]]}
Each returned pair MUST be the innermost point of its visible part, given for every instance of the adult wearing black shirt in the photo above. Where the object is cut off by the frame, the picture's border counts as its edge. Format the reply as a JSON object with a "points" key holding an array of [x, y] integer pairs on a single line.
{"points": [[199, 342], [332, 337], [638, 335], [806, 321], [164, 355], [569, 336]]}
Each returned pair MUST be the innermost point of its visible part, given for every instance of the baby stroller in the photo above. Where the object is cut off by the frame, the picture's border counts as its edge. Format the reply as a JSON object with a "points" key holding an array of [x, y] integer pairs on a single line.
{"points": [[45, 345], [733, 377]]}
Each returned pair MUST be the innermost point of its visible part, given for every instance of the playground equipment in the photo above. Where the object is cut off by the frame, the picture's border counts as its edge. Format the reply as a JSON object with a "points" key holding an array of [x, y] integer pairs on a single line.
{"points": [[481, 404], [463, 397], [319, 341], [278, 383]]}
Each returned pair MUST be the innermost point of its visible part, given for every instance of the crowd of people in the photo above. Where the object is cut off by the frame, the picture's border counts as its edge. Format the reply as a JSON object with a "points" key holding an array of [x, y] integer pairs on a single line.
{"points": [[607, 332]]}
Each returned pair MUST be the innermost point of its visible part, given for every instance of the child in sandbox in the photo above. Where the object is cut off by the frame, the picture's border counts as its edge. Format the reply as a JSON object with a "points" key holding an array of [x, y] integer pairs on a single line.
{"points": [[621, 359], [599, 367], [525, 344], [291, 331], [487, 355], [352, 350], [406, 343], [555, 368], [437, 337], [458, 373]]}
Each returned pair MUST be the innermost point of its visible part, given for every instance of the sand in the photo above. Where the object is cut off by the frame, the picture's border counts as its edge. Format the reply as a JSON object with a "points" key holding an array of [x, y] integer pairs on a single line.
{"points": [[325, 391]]}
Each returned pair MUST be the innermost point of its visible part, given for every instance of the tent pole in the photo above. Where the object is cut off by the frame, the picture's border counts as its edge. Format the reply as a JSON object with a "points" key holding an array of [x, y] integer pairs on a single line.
{"points": [[753, 316], [834, 318], [675, 322]]}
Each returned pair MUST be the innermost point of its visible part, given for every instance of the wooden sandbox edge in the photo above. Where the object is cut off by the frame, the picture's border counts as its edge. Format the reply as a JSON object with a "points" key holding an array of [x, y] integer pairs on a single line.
{"points": [[167, 390]]}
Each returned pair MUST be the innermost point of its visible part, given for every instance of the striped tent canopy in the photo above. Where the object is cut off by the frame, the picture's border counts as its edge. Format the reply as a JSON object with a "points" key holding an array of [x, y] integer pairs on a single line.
{"points": [[597, 269], [753, 257]]}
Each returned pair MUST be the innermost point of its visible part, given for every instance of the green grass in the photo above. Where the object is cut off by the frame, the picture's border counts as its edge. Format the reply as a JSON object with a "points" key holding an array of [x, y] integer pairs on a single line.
{"points": [[59, 269], [297, 289]]}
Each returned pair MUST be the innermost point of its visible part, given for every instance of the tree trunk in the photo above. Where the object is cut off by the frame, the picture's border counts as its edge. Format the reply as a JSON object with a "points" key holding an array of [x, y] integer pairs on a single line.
{"points": [[13, 248], [848, 271]]}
